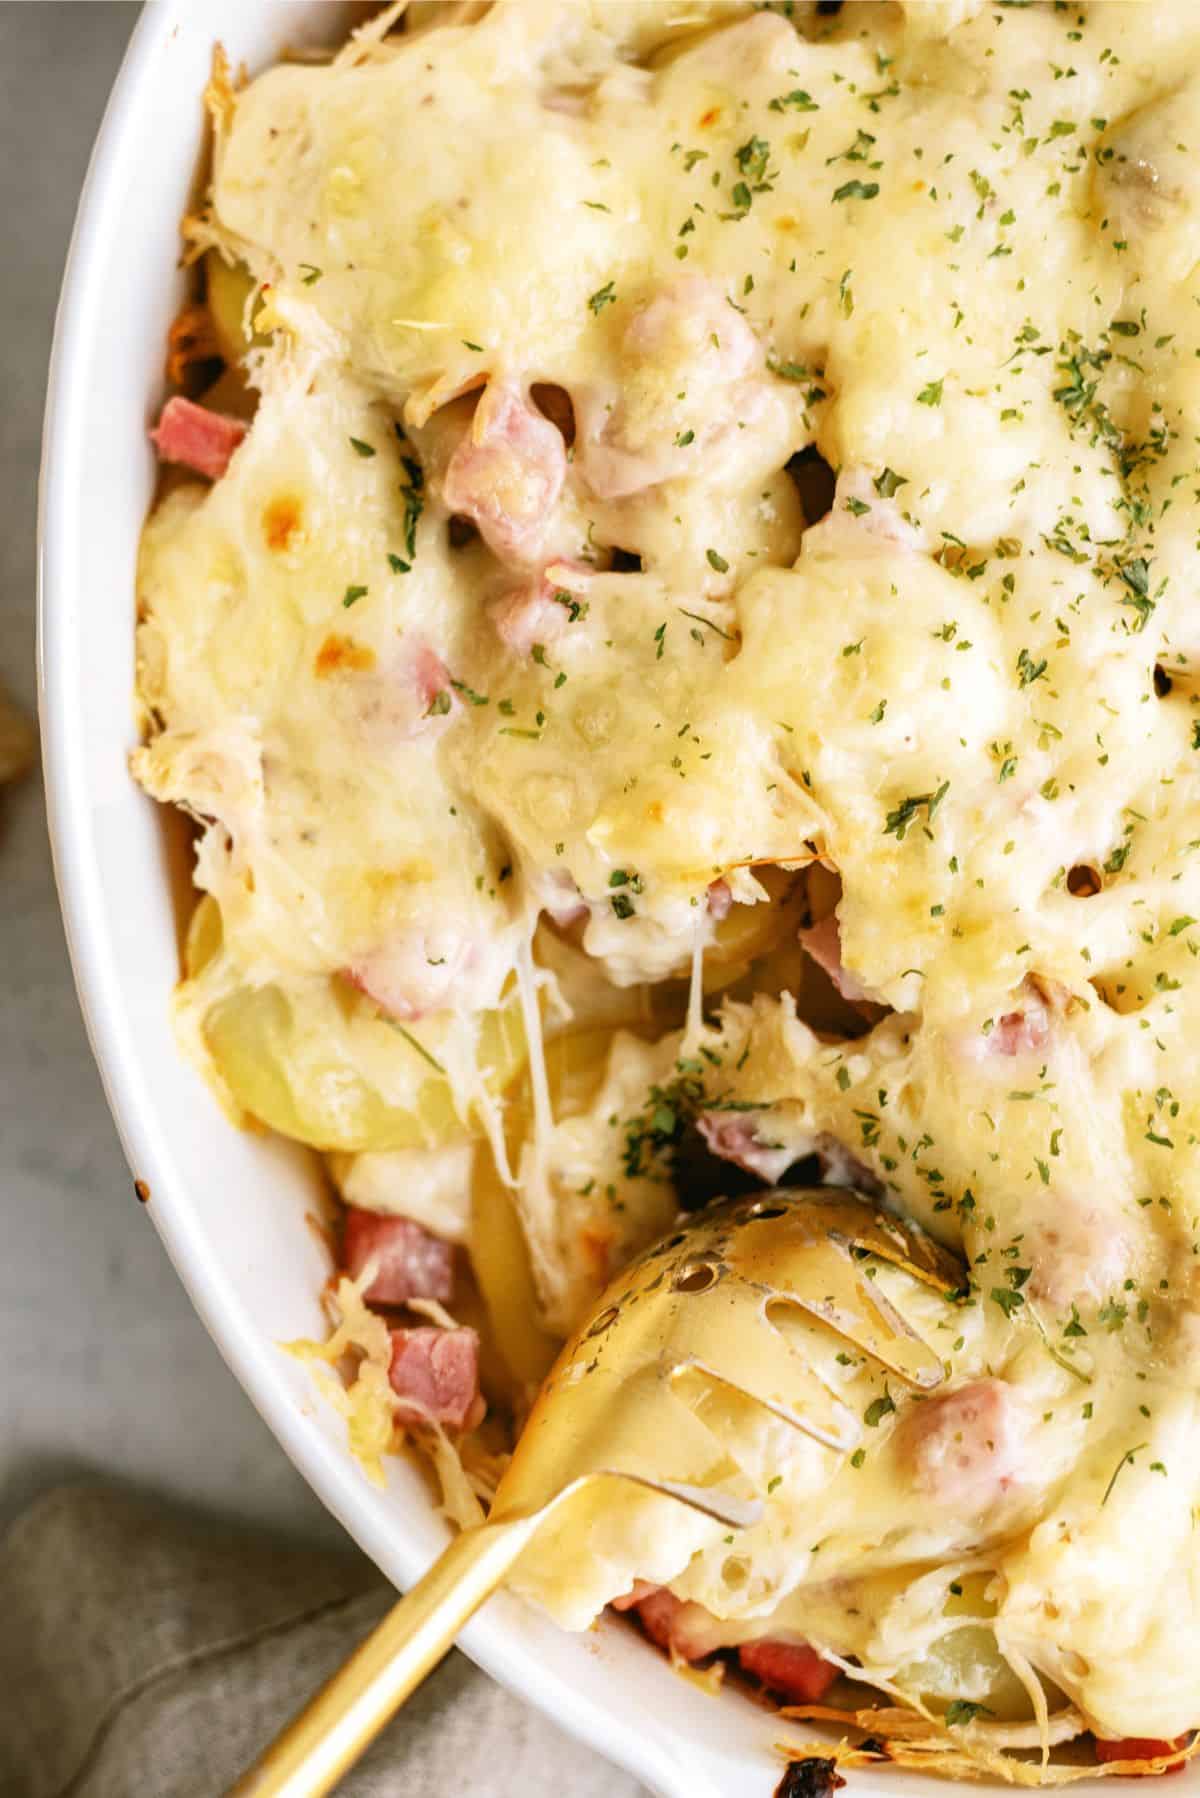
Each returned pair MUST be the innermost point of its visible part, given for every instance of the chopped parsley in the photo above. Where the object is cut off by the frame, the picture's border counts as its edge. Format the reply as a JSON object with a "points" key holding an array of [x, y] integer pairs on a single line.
{"points": [[575, 608], [797, 101], [603, 296], [1125, 1461], [1135, 577], [856, 190], [420, 1048], [469, 693], [352, 595], [413, 493], [877, 1410], [888, 483], [903, 815], [964, 1710]]}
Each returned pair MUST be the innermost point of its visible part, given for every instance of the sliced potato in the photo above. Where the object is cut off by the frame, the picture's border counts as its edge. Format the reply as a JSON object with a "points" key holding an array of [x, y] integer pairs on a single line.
{"points": [[204, 937], [575, 1066], [966, 1664], [294, 1060], [749, 932], [319, 1062], [500, 1259], [229, 287]]}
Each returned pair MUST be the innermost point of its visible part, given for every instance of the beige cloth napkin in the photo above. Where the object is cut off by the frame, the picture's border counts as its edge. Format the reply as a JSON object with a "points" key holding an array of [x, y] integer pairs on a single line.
{"points": [[147, 1653]]}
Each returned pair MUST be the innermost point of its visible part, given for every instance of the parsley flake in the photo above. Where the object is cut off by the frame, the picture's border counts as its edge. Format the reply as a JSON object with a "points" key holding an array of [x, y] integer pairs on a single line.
{"points": [[877, 1410], [856, 190], [965, 1710], [797, 101], [902, 815]]}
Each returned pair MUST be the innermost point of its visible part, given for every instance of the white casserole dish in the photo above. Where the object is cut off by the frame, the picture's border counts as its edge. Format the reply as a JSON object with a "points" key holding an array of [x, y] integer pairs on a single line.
{"points": [[231, 1207]]}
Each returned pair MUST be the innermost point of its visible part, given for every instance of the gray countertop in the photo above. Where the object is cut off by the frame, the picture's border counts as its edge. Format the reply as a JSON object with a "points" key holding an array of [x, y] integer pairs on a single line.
{"points": [[106, 1370]]}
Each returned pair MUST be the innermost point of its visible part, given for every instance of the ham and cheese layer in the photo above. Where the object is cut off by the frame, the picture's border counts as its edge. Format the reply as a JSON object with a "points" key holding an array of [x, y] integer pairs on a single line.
{"points": [[521, 691]]}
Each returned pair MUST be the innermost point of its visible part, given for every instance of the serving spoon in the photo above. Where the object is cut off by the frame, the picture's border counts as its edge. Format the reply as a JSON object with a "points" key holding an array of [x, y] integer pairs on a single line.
{"points": [[689, 1324]]}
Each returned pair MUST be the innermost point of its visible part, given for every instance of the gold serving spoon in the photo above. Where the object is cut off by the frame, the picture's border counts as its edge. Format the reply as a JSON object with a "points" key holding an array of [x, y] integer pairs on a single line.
{"points": [[689, 1323]]}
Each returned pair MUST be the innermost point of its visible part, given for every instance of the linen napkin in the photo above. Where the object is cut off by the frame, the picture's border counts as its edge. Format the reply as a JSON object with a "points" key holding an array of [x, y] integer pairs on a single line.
{"points": [[149, 1653]]}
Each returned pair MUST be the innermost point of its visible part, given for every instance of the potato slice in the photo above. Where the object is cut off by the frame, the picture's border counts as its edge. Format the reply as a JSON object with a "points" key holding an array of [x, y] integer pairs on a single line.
{"points": [[229, 286], [318, 1061], [500, 1260]]}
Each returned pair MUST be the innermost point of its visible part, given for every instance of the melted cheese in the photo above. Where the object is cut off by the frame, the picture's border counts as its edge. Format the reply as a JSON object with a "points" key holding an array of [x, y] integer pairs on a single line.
{"points": [[954, 248]]}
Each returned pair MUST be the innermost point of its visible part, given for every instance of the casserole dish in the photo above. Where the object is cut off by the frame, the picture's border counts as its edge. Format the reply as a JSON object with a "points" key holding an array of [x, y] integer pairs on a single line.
{"points": [[231, 1208]]}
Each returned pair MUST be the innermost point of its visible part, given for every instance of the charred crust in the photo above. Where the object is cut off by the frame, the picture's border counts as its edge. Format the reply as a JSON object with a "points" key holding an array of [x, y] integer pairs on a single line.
{"points": [[813, 1777]]}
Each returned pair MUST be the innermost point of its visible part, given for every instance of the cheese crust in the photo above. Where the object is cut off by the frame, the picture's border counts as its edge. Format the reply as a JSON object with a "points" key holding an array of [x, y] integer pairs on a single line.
{"points": [[532, 718]]}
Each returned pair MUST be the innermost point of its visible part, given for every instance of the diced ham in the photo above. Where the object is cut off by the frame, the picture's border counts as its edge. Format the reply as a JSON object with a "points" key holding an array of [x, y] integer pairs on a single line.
{"points": [[690, 322], [538, 611], [861, 523], [1029, 1026], [1138, 1748], [507, 473], [1021, 1032], [823, 942], [963, 1449], [720, 900], [683, 1629], [414, 972], [734, 1136], [686, 340], [438, 1371], [560, 898], [840, 1167], [792, 1669], [430, 678], [1078, 1251], [688, 1632], [410, 1263], [197, 438], [750, 1141], [410, 697], [628, 1601]]}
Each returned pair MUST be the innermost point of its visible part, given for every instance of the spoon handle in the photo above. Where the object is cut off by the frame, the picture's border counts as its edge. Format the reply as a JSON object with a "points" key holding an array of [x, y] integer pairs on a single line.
{"points": [[342, 1720]]}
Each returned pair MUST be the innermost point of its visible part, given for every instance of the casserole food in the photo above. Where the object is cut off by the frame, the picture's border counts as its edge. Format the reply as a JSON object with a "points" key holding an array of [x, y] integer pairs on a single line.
{"points": [[822, 717]]}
